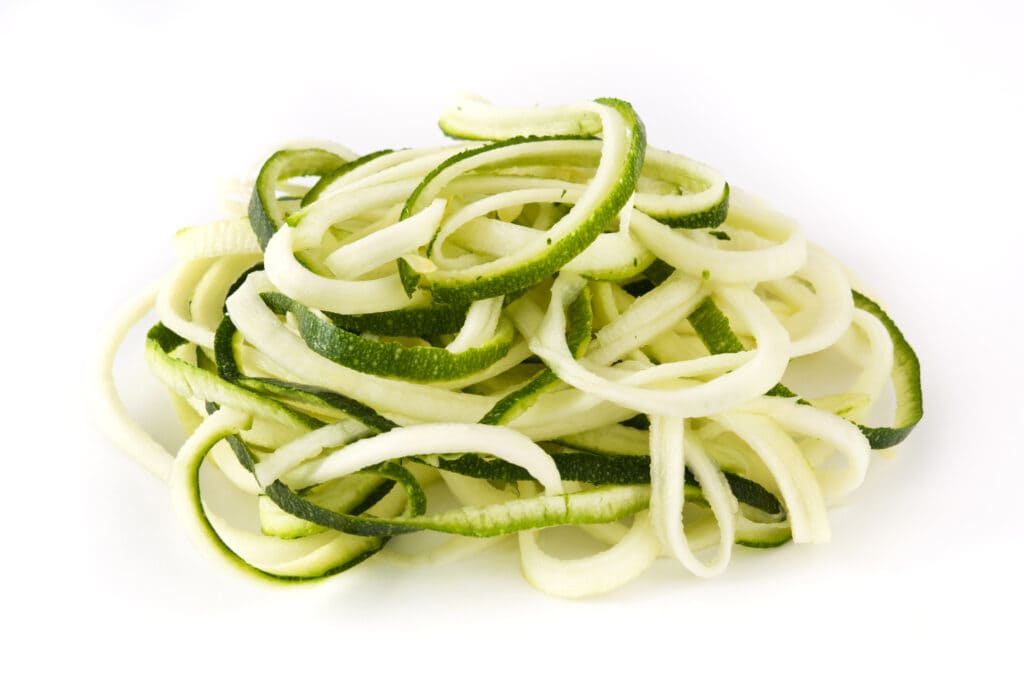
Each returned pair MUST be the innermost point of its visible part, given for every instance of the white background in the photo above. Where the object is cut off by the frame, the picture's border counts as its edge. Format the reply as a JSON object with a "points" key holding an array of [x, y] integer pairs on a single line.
{"points": [[891, 131]]}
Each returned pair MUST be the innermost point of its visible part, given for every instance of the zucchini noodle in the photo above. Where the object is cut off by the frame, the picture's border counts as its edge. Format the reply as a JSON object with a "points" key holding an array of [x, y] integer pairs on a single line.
{"points": [[546, 323]]}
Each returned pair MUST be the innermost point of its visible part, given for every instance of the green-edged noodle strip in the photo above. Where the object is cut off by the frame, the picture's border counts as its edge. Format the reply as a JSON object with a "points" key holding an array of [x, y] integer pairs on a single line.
{"points": [[515, 403], [405, 322], [188, 380], [345, 552], [713, 328], [750, 492], [711, 217], [589, 468], [390, 358], [762, 535], [311, 397], [224, 350], [327, 178], [352, 494], [266, 214], [579, 324], [906, 379]]}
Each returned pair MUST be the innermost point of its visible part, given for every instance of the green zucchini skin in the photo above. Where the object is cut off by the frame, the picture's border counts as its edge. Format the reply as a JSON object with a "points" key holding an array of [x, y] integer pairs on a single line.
{"points": [[265, 213], [906, 376], [330, 176], [389, 358]]}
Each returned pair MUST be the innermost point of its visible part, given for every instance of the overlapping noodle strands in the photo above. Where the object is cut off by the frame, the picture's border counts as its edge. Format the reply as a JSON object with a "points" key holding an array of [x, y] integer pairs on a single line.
{"points": [[556, 322]]}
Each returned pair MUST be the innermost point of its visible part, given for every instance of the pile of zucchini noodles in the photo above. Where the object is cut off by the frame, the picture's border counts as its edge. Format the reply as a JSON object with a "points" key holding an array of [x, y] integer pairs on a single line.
{"points": [[555, 322]]}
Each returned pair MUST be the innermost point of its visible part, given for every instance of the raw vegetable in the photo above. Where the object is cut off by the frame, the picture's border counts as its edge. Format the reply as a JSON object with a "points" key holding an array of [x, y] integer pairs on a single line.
{"points": [[554, 321]]}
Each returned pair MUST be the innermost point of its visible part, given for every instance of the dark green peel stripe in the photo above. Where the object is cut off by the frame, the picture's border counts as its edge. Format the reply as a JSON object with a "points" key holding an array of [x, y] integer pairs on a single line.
{"points": [[389, 359], [658, 272], [327, 178], [409, 276], [590, 468], [405, 322], [353, 494], [517, 402], [311, 396], [224, 350], [713, 328], [239, 282], [906, 378], [715, 332], [416, 503], [750, 492], [782, 391], [762, 536], [266, 214], [224, 338], [165, 338], [711, 217], [579, 323], [638, 421], [638, 288]]}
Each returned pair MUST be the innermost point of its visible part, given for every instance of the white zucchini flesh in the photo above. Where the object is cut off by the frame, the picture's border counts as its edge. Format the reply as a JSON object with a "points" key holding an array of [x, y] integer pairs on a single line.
{"points": [[667, 463]]}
